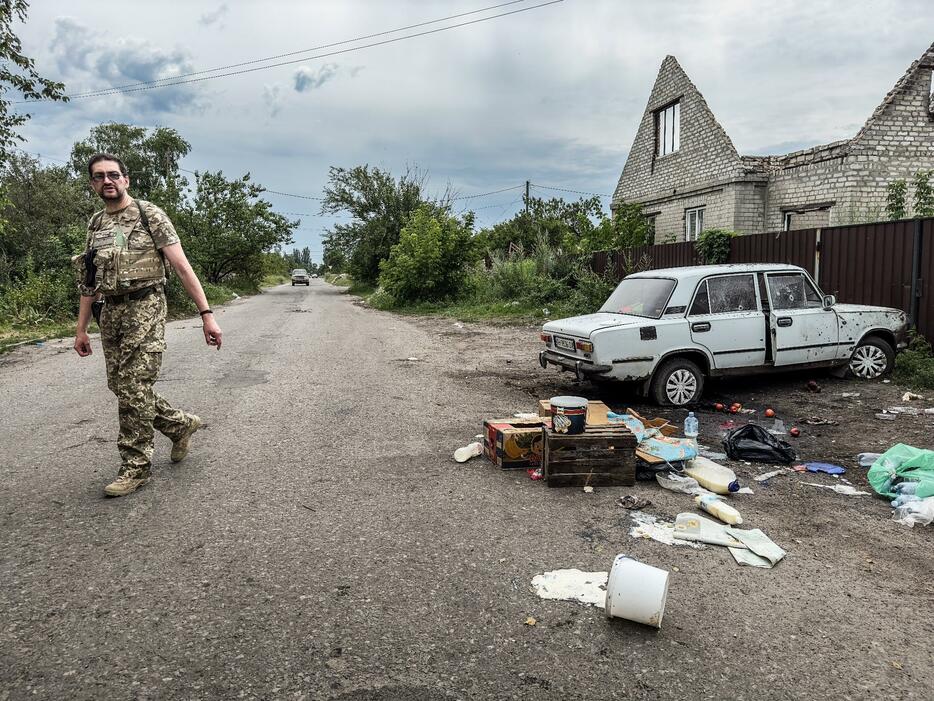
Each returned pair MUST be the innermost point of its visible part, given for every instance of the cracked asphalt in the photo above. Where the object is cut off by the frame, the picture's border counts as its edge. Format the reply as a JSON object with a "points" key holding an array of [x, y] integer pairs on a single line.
{"points": [[319, 542]]}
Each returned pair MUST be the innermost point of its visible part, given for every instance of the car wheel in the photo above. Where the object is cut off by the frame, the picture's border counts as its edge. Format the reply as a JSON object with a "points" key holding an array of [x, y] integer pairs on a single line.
{"points": [[871, 359], [678, 382]]}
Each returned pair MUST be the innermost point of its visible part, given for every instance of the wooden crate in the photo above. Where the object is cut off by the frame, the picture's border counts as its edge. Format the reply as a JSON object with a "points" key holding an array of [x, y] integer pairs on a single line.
{"points": [[600, 456]]}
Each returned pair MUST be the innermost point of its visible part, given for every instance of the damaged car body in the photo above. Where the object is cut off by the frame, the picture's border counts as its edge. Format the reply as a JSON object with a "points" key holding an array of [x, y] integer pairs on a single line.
{"points": [[670, 329]]}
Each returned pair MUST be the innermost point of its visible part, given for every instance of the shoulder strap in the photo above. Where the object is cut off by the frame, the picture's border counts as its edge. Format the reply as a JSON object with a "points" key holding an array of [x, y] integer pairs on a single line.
{"points": [[144, 220], [96, 221], [143, 217]]}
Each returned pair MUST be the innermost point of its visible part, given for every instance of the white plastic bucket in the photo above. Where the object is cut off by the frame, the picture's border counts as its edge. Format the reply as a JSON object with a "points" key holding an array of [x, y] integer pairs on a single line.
{"points": [[636, 591]]}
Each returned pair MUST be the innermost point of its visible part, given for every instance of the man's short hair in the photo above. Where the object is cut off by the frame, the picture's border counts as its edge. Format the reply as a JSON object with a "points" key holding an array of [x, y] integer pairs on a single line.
{"points": [[98, 157]]}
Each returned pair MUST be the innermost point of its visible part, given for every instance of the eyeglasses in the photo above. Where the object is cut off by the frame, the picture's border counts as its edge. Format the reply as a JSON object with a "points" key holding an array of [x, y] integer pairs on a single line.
{"points": [[112, 175]]}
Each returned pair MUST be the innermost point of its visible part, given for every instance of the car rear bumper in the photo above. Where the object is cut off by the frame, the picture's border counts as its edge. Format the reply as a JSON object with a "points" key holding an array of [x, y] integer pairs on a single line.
{"points": [[581, 368]]}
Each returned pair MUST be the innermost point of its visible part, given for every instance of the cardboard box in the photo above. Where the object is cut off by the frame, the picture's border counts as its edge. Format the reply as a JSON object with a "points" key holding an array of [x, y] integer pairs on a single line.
{"points": [[596, 412], [514, 444]]}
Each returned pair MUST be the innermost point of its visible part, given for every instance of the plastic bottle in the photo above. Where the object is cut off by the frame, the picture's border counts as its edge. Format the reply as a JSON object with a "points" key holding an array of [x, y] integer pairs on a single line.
{"points": [[905, 488], [691, 428], [712, 476], [715, 506], [903, 499]]}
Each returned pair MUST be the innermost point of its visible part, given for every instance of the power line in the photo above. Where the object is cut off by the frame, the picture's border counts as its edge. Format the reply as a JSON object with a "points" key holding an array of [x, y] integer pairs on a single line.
{"points": [[295, 53], [172, 81], [576, 192], [485, 194]]}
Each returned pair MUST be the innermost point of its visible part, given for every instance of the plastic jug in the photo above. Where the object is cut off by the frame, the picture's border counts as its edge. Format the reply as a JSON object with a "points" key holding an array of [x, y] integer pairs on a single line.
{"points": [[715, 506], [710, 475], [691, 428]]}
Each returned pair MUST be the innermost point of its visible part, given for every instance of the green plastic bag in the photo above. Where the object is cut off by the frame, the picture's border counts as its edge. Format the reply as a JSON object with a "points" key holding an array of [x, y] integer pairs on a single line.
{"points": [[903, 463]]}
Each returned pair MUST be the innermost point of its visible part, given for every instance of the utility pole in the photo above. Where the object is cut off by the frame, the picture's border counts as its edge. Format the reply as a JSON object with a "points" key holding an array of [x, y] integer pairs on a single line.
{"points": [[528, 195]]}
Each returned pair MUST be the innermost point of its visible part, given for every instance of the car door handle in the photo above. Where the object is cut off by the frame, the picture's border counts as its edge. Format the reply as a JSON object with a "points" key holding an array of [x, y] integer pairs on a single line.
{"points": [[784, 321], [700, 326]]}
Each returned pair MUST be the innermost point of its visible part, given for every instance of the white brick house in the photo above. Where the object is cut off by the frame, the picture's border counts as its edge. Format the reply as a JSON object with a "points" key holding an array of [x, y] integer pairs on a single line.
{"points": [[685, 171]]}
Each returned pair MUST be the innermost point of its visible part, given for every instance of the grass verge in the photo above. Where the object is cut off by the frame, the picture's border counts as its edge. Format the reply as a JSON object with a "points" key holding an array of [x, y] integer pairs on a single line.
{"points": [[914, 366]]}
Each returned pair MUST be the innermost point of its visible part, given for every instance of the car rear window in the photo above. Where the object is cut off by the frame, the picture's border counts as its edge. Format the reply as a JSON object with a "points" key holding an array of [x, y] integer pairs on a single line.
{"points": [[640, 296]]}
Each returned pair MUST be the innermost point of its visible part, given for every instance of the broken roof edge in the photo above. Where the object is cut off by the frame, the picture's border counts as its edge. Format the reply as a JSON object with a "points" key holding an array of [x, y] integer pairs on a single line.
{"points": [[899, 86]]}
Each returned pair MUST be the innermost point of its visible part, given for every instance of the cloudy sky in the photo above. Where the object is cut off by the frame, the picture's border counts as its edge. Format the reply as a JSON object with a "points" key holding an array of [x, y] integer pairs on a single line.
{"points": [[552, 95]]}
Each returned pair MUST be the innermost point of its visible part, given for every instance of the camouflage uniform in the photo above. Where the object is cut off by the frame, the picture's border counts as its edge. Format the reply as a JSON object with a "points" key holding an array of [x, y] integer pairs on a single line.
{"points": [[133, 337]]}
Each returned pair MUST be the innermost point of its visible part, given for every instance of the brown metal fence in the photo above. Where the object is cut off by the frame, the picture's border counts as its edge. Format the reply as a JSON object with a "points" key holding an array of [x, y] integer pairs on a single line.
{"points": [[861, 264]]}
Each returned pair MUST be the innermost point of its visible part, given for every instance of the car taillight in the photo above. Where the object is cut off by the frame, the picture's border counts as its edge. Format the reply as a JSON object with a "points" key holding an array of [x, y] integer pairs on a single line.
{"points": [[546, 337], [585, 346]]}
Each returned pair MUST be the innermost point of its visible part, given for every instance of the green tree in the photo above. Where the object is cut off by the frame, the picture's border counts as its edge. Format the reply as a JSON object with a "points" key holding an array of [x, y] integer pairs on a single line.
{"points": [[151, 157], [896, 200], [431, 260], [18, 74], [379, 206], [228, 227], [44, 216], [924, 194]]}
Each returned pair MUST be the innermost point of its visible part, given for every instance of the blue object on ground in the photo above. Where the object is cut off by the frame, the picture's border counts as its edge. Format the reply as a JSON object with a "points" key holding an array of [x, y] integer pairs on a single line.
{"points": [[824, 467]]}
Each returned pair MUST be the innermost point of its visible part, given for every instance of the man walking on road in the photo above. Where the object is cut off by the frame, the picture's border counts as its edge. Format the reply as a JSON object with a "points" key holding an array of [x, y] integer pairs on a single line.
{"points": [[130, 243]]}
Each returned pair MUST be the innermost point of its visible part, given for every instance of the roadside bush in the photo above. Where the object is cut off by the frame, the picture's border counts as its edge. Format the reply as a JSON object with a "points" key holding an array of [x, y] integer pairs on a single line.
{"points": [[430, 261], [915, 365], [713, 245], [40, 298]]}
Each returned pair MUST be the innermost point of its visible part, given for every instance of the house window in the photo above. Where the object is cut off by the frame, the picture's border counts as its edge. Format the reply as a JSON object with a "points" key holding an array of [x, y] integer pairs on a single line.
{"points": [[650, 226], [693, 223], [668, 129]]}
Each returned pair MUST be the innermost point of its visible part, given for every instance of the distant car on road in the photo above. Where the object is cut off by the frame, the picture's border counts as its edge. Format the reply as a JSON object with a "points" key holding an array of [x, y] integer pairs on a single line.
{"points": [[314, 275], [300, 277], [670, 329]]}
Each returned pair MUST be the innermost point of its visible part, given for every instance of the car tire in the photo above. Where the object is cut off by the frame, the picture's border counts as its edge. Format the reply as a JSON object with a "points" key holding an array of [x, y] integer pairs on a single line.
{"points": [[871, 359], [678, 382]]}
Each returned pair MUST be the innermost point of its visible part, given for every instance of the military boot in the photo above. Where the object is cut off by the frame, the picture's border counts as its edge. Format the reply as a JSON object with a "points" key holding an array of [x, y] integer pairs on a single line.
{"points": [[127, 482], [180, 446]]}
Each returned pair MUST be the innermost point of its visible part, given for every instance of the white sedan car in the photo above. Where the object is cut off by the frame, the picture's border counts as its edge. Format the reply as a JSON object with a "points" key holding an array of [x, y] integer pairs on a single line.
{"points": [[670, 329]]}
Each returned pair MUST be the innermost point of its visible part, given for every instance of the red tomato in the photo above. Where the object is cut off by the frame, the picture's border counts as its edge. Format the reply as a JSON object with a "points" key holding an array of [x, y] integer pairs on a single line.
{"points": [[794, 431], [718, 406], [770, 413]]}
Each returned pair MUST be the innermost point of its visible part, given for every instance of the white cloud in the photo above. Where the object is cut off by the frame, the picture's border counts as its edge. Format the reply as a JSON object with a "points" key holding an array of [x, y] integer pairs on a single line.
{"points": [[214, 16], [306, 78]]}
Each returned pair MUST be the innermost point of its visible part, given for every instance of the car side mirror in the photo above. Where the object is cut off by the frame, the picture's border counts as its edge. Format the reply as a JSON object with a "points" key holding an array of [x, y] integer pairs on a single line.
{"points": [[829, 301]]}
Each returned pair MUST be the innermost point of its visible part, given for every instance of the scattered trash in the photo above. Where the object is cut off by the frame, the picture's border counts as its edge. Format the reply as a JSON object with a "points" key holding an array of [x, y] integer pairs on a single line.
{"points": [[825, 467], [572, 585], [745, 490], [850, 395], [715, 506], [636, 591], [588, 489], [886, 417], [840, 489], [695, 528], [903, 463], [867, 459], [528, 415], [799, 468], [752, 442], [630, 502], [758, 543], [704, 452], [911, 396], [410, 360], [915, 513], [778, 428], [535, 474], [909, 410], [767, 475], [812, 386], [471, 450], [530, 621], [817, 421], [710, 475], [648, 526], [682, 484], [655, 447]]}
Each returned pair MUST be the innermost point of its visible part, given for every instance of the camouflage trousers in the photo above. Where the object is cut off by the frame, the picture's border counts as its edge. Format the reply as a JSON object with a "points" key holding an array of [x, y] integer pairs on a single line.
{"points": [[133, 336]]}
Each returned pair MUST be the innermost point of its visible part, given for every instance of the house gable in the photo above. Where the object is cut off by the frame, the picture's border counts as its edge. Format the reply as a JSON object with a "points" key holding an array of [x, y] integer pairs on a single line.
{"points": [[705, 153], [903, 123]]}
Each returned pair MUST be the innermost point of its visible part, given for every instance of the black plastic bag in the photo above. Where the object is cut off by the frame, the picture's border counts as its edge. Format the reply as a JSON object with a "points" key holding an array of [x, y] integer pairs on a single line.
{"points": [[754, 443]]}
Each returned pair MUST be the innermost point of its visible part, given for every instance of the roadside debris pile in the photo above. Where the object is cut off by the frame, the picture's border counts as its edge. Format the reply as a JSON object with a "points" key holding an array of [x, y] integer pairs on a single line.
{"points": [[906, 476]]}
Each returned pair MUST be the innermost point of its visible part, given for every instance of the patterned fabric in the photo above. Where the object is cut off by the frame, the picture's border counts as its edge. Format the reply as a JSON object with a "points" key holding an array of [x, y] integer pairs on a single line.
{"points": [[133, 337], [125, 228]]}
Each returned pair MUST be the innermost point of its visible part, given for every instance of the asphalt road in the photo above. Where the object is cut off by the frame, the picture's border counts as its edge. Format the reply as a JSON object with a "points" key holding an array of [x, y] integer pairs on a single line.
{"points": [[320, 543]]}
